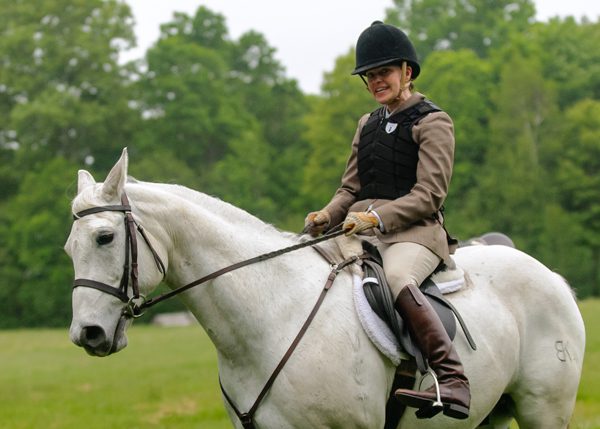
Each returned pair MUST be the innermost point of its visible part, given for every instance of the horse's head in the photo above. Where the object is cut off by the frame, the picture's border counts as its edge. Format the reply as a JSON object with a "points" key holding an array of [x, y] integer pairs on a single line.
{"points": [[103, 245]]}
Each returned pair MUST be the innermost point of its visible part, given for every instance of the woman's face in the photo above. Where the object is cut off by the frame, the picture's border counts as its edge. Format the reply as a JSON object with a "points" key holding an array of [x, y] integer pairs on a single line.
{"points": [[384, 84]]}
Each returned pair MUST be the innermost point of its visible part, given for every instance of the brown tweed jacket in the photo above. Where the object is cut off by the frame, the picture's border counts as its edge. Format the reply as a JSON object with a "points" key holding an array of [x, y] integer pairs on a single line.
{"points": [[408, 218]]}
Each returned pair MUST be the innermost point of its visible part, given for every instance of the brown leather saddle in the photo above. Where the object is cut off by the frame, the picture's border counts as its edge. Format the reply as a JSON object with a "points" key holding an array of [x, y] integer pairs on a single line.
{"points": [[380, 299]]}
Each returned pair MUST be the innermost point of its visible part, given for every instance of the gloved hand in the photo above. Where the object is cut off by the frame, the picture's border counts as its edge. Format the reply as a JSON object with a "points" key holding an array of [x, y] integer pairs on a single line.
{"points": [[316, 222], [356, 222]]}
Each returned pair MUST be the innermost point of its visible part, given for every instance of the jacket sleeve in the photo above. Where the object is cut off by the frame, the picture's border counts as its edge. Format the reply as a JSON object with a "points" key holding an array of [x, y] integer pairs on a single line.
{"points": [[348, 191], [435, 136]]}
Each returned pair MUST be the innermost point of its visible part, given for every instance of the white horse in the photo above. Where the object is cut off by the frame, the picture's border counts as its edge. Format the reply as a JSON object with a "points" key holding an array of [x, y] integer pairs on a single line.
{"points": [[523, 317]]}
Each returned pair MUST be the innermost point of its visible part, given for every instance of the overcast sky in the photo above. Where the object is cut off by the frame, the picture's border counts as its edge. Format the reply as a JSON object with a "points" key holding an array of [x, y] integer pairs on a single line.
{"points": [[308, 34]]}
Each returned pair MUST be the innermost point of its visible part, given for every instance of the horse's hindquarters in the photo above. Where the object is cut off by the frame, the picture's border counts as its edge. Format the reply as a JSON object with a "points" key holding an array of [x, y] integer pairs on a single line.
{"points": [[529, 332]]}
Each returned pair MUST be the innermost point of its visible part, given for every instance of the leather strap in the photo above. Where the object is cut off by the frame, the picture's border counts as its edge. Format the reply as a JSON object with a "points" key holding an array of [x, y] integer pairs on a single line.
{"points": [[130, 265], [404, 378], [132, 241], [247, 419], [265, 256], [114, 208], [101, 286]]}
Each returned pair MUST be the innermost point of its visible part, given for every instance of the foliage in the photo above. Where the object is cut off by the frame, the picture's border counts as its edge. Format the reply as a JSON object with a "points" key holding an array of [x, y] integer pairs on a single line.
{"points": [[330, 125], [478, 25], [33, 228], [62, 91], [458, 81], [219, 115]]}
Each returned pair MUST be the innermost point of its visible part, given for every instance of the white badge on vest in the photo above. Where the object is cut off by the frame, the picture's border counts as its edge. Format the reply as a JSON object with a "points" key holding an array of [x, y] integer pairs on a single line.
{"points": [[390, 127]]}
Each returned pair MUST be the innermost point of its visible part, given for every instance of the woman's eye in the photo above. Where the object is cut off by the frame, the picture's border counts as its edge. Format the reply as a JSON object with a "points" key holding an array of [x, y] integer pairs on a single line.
{"points": [[104, 238]]}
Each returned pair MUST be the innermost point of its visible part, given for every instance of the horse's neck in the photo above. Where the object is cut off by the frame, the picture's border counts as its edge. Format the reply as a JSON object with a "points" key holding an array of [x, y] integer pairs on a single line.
{"points": [[246, 309]]}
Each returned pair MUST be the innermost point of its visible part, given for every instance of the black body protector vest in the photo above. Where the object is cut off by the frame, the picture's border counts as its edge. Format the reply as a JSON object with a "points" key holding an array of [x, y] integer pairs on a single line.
{"points": [[387, 154]]}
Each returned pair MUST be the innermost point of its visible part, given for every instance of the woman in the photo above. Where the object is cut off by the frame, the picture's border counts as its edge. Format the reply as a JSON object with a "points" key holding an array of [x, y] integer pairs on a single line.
{"points": [[394, 186]]}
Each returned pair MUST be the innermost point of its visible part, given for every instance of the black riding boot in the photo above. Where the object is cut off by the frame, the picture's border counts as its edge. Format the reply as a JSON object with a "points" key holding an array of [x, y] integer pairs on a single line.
{"points": [[431, 338]]}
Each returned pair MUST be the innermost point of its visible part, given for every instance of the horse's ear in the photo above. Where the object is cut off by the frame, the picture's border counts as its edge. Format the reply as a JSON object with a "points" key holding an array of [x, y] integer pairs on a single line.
{"points": [[115, 181], [84, 179]]}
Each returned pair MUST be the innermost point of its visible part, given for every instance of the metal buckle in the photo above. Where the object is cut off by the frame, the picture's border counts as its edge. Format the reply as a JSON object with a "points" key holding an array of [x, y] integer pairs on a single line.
{"points": [[246, 420], [132, 310]]}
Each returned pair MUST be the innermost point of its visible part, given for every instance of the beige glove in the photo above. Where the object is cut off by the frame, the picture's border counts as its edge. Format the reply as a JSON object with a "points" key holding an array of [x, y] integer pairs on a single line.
{"points": [[316, 222], [356, 222]]}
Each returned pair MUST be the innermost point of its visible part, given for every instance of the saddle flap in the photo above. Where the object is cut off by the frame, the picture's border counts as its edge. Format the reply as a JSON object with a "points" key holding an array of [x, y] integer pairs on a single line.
{"points": [[379, 297]]}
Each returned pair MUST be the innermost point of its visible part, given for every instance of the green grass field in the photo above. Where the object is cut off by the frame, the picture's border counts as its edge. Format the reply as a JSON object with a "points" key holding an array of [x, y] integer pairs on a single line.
{"points": [[166, 378]]}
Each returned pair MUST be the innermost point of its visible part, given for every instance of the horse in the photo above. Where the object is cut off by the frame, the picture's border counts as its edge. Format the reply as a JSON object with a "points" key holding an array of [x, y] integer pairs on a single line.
{"points": [[524, 317]]}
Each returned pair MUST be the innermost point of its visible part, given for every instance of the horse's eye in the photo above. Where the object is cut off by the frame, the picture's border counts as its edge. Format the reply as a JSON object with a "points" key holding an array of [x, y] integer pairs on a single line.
{"points": [[104, 238]]}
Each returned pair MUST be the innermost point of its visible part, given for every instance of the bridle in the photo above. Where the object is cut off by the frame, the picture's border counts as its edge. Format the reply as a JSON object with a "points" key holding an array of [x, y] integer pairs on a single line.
{"points": [[130, 267]]}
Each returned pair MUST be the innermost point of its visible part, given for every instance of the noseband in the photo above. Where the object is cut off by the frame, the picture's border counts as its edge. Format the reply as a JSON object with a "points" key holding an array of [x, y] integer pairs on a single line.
{"points": [[130, 267]]}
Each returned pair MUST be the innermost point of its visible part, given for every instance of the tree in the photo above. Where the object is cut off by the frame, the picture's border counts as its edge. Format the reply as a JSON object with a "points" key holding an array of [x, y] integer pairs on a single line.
{"points": [[512, 187], [461, 83], [34, 226], [330, 127], [242, 176], [577, 176], [219, 103], [63, 102], [279, 107], [62, 92], [479, 25], [569, 57]]}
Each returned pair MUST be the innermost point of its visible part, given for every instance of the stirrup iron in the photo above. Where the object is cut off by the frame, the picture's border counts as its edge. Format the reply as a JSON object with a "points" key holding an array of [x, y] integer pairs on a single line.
{"points": [[436, 406]]}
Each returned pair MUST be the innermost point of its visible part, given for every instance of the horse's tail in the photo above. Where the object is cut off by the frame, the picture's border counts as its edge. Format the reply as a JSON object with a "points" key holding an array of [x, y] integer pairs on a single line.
{"points": [[566, 283]]}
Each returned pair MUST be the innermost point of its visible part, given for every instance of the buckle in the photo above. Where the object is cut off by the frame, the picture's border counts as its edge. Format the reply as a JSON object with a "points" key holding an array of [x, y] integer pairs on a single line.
{"points": [[246, 420]]}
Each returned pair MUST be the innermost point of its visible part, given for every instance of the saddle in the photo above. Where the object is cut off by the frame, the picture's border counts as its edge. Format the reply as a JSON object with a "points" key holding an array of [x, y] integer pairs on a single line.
{"points": [[379, 298]]}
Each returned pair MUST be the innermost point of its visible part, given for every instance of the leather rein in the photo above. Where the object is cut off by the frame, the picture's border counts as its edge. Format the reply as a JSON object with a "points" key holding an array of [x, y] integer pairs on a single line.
{"points": [[130, 267], [133, 309]]}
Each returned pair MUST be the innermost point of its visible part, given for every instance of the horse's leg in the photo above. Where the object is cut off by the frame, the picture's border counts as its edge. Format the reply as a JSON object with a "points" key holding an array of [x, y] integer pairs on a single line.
{"points": [[501, 416], [545, 393], [534, 412], [551, 342], [546, 403]]}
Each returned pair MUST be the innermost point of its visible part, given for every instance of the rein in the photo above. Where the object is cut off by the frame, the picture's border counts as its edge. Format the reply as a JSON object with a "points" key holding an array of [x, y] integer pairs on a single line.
{"points": [[265, 256], [247, 418], [130, 268], [133, 310]]}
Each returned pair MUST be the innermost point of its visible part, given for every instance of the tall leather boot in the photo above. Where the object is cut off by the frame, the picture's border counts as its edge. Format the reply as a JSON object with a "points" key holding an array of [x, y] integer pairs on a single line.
{"points": [[429, 335]]}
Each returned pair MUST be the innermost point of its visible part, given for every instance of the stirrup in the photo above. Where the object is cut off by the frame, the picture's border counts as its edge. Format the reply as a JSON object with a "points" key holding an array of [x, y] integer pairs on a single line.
{"points": [[436, 406]]}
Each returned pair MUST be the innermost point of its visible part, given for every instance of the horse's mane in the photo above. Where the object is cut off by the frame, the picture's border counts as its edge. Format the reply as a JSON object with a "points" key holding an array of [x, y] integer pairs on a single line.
{"points": [[211, 203], [202, 201]]}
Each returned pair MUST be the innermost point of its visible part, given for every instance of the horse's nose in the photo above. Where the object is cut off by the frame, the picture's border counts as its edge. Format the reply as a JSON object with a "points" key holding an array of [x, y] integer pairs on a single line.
{"points": [[92, 337]]}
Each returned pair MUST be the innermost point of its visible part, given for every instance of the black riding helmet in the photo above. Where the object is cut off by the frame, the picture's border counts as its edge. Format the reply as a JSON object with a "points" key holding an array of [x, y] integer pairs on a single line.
{"points": [[382, 44]]}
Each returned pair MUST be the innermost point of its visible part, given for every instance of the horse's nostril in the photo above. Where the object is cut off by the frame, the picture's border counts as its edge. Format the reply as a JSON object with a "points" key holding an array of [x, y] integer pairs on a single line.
{"points": [[92, 336]]}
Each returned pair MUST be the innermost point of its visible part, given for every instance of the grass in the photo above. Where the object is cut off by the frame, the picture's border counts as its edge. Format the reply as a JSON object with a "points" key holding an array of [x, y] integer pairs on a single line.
{"points": [[166, 378], [587, 409]]}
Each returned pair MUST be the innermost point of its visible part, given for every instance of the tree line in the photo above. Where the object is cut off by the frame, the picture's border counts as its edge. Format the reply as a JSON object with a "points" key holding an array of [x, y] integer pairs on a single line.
{"points": [[220, 115]]}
